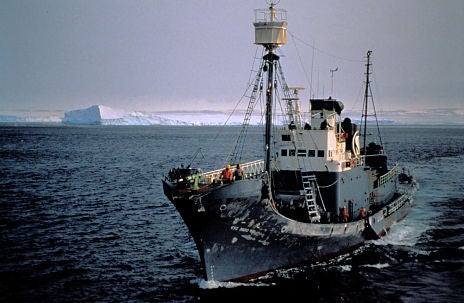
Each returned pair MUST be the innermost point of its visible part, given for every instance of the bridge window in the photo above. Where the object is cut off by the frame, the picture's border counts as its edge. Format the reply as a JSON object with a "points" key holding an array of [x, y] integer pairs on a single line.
{"points": [[320, 153], [283, 152], [286, 138], [292, 153], [302, 153], [311, 153]]}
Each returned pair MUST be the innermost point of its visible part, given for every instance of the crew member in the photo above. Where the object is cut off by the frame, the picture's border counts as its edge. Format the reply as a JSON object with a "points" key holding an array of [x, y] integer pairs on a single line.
{"points": [[345, 215], [362, 213], [238, 173], [226, 175]]}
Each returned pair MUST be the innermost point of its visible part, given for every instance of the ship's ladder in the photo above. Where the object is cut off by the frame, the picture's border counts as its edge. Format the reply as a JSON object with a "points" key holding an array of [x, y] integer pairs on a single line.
{"points": [[240, 140], [309, 188]]}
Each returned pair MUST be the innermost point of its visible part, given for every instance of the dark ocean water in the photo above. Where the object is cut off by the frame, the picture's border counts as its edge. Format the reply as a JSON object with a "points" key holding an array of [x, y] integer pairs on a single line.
{"points": [[83, 219]]}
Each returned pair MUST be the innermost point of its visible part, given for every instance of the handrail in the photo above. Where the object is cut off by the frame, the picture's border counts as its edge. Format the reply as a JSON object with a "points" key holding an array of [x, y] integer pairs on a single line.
{"points": [[388, 176], [393, 207], [250, 169]]}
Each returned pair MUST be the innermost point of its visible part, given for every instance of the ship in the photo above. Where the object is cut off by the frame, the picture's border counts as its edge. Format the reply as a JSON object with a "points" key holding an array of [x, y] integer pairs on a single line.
{"points": [[318, 191]]}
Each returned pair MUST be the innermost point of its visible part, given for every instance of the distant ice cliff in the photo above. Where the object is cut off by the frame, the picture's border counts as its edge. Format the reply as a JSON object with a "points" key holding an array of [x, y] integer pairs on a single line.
{"points": [[103, 115]]}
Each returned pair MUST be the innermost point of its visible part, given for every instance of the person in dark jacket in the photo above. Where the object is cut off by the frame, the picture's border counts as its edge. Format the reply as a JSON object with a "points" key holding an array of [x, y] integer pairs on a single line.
{"points": [[238, 173]]}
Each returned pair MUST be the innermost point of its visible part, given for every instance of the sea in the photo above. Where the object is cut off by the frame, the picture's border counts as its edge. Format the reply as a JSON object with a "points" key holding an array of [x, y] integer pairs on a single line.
{"points": [[83, 218]]}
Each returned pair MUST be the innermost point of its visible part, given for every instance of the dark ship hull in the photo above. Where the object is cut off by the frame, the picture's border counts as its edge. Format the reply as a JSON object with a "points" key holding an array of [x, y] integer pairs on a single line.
{"points": [[240, 234]]}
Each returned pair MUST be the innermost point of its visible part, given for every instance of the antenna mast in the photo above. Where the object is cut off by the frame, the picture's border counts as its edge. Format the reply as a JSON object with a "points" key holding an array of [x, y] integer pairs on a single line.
{"points": [[367, 94], [332, 84]]}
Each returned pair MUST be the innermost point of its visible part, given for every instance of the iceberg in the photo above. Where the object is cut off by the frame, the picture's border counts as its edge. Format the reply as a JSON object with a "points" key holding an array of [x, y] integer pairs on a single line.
{"points": [[207, 117], [103, 115], [29, 119]]}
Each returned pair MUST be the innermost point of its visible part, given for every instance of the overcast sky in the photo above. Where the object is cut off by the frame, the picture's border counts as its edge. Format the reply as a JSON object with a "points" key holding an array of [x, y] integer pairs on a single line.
{"points": [[156, 55]]}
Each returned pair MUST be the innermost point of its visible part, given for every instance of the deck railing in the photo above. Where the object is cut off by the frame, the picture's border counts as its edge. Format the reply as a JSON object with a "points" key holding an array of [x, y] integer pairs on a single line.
{"points": [[388, 176], [250, 169], [393, 207]]}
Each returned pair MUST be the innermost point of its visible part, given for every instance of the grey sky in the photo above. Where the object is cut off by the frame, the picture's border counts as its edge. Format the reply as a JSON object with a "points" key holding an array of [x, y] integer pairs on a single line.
{"points": [[167, 55]]}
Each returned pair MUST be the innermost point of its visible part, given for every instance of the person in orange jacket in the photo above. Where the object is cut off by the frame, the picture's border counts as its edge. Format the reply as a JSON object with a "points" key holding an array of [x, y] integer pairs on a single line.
{"points": [[362, 213], [226, 175]]}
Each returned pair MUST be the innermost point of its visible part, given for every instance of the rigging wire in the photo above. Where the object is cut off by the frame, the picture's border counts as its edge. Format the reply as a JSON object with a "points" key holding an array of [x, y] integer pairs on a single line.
{"points": [[375, 114], [234, 110], [233, 154], [310, 81], [377, 89], [322, 51]]}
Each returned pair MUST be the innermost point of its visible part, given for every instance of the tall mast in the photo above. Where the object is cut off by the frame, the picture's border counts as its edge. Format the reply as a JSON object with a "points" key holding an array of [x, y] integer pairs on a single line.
{"points": [[270, 58], [366, 96], [270, 32]]}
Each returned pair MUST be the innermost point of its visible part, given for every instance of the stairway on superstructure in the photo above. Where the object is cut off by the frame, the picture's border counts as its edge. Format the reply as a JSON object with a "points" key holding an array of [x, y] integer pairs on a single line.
{"points": [[309, 185]]}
